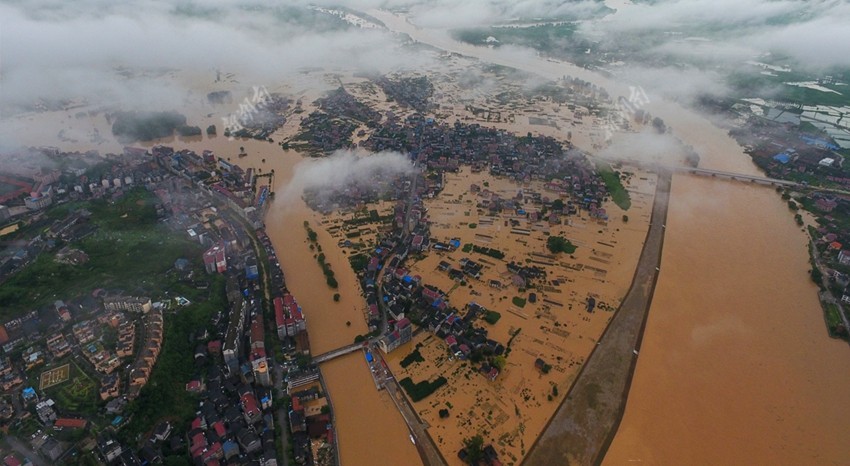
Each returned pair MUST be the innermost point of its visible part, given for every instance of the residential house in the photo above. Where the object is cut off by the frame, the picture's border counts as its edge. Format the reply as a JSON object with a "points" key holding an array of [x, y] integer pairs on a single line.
{"points": [[135, 304]]}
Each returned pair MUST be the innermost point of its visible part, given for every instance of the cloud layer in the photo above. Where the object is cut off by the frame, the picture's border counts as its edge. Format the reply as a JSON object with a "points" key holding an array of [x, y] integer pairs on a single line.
{"points": [[68, 50], [345, 169]]}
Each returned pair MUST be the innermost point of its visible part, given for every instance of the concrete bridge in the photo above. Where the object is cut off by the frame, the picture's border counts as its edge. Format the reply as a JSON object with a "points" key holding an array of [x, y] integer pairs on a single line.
{"points": [[735, 176], [335, 353]]}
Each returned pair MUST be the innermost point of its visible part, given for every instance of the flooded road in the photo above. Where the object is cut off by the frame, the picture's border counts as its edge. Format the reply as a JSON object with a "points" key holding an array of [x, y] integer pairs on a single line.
{"points": [[736, 366], [371, 430], [369, 427]]}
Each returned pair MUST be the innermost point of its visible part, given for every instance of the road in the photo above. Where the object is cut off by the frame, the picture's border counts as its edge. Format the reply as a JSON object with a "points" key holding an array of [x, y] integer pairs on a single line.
{"points": [[282, 423], [588, 418], [282, 415], [425, 445], [826, 296], [411, 198]]}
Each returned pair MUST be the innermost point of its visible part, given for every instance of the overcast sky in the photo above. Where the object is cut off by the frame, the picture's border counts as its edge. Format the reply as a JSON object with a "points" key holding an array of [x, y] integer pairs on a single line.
{"points": [[61, 49]]}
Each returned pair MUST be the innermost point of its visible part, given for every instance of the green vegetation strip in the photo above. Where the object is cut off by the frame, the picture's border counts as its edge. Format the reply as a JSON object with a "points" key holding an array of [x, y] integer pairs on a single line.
{"points": [[494, 253], [414, 356], [419, 391], [165, 395], [615, 187], [313, 237], [558, 244], [491, 317]]}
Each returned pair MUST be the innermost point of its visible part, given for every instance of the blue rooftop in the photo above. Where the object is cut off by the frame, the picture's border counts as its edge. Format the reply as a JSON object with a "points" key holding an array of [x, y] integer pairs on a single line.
{"points": [[782, 157]]}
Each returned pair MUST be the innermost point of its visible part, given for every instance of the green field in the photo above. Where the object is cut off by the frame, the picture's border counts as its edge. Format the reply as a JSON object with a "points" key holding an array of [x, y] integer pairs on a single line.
{"points": [[128, 244], [833, 319], [79, 395], [421, 390], [54, 376], [615, 187], [165, 394], [749, 82]]}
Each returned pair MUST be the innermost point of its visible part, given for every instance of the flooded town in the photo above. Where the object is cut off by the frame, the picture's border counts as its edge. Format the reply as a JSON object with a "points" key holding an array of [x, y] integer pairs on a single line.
{"points": [[481, 255]]}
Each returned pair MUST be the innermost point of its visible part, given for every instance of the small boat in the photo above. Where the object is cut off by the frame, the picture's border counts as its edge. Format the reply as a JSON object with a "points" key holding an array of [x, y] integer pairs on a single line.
{"points": [[412, 440]]}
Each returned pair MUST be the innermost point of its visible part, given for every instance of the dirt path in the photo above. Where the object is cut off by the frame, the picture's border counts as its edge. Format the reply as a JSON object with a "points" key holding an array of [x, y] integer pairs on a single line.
{"points": [[585, 423]]}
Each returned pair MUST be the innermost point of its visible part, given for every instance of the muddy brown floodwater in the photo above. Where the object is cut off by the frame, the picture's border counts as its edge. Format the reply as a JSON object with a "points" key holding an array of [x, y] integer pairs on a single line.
{"points": [[735, 366], [369, 428]]}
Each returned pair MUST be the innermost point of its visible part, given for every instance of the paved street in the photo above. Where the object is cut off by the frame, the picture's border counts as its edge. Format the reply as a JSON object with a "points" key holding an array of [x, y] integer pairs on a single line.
{"points": [[23, 449]]}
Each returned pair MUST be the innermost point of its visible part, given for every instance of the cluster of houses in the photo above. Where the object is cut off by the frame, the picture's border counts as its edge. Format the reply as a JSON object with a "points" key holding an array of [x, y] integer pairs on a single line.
{"points": [[289, 320], [445, 147], [406, 298], [10, 376], [410, 91], [143, 367], [309, 418], [50, 186], [234, 422], [68, 336], [330, 128], [354, 193], [242, 373], [236, 187], [258, 117]]}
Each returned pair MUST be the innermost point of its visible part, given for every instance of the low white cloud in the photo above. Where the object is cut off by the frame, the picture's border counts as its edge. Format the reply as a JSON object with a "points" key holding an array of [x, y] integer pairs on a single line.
{"points": [[345, 168]]}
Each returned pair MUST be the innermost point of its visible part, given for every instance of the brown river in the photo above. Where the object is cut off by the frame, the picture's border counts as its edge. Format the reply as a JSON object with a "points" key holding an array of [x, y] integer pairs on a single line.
{"points": [[368, 425]]}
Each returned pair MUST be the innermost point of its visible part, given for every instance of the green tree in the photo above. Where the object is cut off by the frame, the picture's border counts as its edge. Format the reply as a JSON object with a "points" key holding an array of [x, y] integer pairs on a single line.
{"points": [[176, 460], [499, 362], [558, 244], [474, 449]]}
